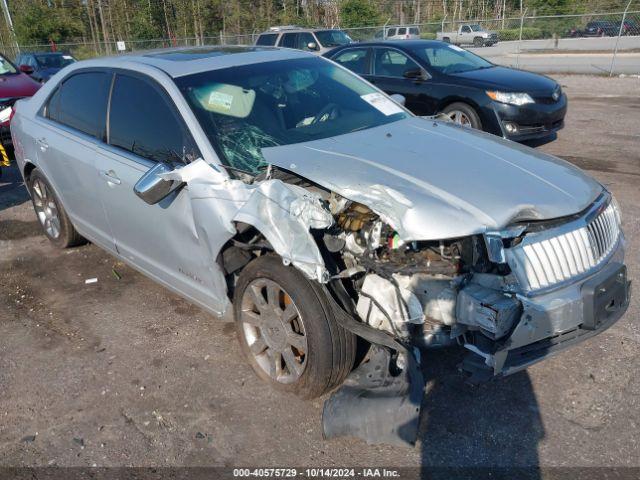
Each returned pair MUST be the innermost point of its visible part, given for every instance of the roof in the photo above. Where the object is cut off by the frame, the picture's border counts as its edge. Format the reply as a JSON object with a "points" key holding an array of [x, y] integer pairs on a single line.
{"points": [[294, 29], [408, 44], [178, 62]]}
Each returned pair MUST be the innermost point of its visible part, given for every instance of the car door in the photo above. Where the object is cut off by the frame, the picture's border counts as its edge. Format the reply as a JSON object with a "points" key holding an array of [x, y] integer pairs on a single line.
{"points": [[389, 67], [70, 130], [145, 127], [465, 34]]}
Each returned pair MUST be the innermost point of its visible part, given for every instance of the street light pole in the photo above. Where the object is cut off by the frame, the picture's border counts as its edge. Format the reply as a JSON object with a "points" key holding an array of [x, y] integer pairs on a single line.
{"points": [[7, 15]]}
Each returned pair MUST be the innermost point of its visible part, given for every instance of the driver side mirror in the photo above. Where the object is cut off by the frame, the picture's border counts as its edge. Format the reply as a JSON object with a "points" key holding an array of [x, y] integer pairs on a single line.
{"points": [[414, 74], [312, 46], [26, 69], [152, 188]]}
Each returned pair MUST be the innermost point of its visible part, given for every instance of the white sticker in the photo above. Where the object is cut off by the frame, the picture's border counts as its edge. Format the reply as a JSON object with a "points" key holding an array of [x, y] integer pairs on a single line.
{"points": [[222, 100], [67, 57], [121, 46], [382, 103], [5, 114], [456, 48]]}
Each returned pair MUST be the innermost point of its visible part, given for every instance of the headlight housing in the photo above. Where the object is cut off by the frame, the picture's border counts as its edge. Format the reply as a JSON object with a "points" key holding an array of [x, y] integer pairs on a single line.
{"points": [[617, 210], [512, 98]]}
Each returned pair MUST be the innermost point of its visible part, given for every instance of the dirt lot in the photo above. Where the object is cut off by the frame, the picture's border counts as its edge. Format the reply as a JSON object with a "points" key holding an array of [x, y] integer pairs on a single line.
{"points": [[122, 372]]}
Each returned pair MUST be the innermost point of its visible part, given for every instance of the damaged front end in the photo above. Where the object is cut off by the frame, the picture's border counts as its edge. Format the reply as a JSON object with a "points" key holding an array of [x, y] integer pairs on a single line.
{"points": [[510, 297]]}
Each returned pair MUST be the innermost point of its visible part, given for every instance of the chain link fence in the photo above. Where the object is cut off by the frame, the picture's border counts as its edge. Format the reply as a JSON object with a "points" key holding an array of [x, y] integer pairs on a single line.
{"points": [[602, 43]]}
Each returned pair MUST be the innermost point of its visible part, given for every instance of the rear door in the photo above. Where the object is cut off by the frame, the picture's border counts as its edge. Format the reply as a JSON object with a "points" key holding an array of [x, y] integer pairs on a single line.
{"points": [[389, 67], [71, 131], [145, 127], [288, 40]]}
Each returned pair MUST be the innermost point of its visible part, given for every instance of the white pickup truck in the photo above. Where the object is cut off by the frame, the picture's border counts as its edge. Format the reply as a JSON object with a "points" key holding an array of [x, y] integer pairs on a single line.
{"points": [[471, 34]]}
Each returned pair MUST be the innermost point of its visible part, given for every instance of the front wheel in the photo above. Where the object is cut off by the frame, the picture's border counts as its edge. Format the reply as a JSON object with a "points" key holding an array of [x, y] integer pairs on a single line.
{"points": [[478, 42], [463, 114], [287, 330]]}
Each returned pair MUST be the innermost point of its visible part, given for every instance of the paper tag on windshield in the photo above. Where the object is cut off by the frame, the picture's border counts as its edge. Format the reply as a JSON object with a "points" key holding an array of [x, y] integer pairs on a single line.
{"points": [[382, 103], [5, 114], [456, 48], [67, 57], [220, 99]]}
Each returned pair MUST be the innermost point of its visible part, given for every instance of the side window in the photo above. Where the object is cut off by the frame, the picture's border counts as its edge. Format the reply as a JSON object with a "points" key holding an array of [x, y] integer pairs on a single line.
{"points": [[466, 29], [268, 39], [355, 59], [392, 63], [288, 40], [304, 39], [142, 122], [391, 32], [81, 103], [402, 31], [414, 31]]}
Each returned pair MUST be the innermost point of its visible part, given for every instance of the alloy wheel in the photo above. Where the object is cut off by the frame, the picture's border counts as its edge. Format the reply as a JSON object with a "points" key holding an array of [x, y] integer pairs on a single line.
{"points": [[274, 330], [460, 118], [46, 208]]}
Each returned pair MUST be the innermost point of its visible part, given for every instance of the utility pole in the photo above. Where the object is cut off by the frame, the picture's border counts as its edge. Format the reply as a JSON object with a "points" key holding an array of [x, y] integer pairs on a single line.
{"points": [[7, 15]]}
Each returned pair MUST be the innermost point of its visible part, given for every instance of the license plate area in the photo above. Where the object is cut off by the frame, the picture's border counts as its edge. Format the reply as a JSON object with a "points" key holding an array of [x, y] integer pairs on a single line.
{"points": [[604, 296]]}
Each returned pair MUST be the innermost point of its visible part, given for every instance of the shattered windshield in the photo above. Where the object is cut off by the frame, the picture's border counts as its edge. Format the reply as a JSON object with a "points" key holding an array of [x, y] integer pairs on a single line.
{"points": [[244, 109]]}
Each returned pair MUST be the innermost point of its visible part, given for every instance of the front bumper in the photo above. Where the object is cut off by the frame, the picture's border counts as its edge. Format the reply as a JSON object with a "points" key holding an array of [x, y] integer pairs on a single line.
{"points": [[555, 321], [532, 121]]}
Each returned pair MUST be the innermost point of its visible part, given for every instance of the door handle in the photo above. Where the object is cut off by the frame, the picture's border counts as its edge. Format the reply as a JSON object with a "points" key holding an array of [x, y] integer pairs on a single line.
{"points": [[110, 176], [42, 143]]}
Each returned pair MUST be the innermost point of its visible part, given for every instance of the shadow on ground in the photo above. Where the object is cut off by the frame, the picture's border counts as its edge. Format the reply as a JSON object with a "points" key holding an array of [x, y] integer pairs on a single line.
{"points": [[12, 190], [471, 431]]}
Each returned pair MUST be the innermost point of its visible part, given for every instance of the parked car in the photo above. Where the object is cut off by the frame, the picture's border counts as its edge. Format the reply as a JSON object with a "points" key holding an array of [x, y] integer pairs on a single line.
{"points": [[398, 32], [471, 34], [438, 77], [324, 211], [600, 28], [14, 85], [318, 40], [630, 27], [43, 65]]}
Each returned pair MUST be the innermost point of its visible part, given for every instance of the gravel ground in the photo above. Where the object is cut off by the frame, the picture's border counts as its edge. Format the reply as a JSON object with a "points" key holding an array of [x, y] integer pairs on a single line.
{"points": [[124, 373]]}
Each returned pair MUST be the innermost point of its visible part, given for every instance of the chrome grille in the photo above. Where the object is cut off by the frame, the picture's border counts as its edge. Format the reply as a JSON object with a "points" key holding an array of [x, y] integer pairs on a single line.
{"points": [[551, 258]]}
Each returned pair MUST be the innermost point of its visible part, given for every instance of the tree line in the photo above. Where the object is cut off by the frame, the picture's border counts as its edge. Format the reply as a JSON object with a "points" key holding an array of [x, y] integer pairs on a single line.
{"points": [[97, 24]]}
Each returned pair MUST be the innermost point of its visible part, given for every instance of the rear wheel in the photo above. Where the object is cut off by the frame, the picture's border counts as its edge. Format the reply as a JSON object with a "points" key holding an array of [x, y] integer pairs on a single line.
{"points": [[287, 330], [463, 114], [51, 214]]}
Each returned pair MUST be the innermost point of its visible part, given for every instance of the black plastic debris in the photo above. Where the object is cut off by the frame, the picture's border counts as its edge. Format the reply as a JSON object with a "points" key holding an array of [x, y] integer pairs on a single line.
{"points": [[28, 439], [375, 404]]}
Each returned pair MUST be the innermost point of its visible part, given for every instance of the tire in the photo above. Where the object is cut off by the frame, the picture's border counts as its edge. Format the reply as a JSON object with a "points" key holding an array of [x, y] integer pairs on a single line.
{"points": [[478, 42], [51, 214], [309, 354], [467, 111]]}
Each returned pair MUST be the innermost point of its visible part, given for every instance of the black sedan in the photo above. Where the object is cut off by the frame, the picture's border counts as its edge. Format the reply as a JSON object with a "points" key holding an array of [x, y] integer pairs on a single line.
{"points": [[439, 77]]}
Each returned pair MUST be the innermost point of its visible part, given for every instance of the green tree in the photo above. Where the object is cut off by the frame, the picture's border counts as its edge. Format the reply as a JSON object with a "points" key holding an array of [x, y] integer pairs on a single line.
{"points": [[359, 13]]}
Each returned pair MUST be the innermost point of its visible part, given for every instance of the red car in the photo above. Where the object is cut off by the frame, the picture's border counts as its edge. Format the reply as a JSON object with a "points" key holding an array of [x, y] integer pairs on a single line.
{"points": [[14, 85]]}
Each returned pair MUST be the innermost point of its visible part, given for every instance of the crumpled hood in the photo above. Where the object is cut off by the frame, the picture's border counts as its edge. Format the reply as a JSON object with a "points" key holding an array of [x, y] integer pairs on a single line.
{"points": [[433, 180]]}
